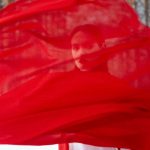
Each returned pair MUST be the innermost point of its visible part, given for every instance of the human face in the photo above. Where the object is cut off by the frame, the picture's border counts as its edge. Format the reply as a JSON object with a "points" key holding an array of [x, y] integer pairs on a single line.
{"points": [[85, 51]]}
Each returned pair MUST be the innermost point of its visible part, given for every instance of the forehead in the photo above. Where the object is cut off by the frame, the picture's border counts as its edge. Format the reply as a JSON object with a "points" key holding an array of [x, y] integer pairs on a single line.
{"points": [[82, 37]]}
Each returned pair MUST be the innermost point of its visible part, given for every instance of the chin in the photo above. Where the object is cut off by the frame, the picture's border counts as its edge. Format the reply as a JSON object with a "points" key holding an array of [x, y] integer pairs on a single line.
{"points": [[81, 67]]}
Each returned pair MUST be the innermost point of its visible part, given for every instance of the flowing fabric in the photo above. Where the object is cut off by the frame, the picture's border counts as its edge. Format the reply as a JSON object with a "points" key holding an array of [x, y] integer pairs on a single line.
{"points": [[50, 95]]}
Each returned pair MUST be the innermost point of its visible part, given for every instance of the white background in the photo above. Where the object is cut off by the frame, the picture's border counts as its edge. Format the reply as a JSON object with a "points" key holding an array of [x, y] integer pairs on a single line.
{"points": [[14, 147]]}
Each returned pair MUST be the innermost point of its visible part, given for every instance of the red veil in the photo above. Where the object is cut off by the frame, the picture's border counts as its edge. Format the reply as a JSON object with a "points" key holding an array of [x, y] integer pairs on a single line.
{"points": [[46, 99]]}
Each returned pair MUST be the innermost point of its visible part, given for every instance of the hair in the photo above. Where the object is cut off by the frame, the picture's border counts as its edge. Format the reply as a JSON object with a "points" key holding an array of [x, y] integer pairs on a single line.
{"points": [[90, 29]]}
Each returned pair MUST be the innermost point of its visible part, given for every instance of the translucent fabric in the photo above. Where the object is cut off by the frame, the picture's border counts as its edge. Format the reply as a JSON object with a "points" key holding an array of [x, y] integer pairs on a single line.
{"points": [[74, 71]]}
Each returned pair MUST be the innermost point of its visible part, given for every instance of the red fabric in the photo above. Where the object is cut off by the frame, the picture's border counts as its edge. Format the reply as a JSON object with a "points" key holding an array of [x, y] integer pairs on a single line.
{"points": [[50, 94], [64, 146]]}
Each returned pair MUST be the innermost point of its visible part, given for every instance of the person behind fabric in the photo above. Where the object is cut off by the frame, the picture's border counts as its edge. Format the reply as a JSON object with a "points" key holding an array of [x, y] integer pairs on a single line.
{"points": [[87, 43]]}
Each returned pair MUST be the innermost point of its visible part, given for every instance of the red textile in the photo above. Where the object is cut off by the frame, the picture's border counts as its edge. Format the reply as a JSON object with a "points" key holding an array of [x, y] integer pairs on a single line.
{"points": [[74, 71], [64, 146]]}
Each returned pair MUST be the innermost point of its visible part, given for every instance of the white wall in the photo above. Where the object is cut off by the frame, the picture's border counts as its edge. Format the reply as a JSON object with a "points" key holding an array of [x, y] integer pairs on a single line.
{"points": [[14, 147]]}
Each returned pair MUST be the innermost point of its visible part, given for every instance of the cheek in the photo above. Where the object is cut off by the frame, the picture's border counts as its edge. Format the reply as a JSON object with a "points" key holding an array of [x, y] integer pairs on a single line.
{"points": [[74, 54]]}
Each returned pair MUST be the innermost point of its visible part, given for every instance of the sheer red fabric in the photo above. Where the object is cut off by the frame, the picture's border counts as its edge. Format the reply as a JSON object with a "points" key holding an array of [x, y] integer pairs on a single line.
{"points": [[74, 71]]}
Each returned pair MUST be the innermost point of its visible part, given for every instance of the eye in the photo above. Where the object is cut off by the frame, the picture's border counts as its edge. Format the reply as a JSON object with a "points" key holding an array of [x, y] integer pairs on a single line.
{"points": [[75, 46]]}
